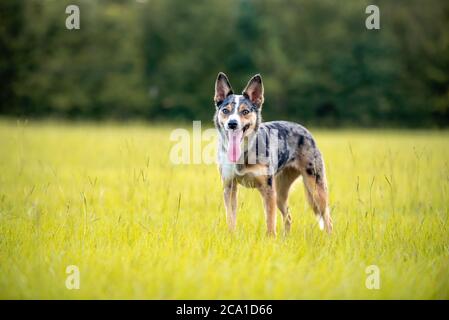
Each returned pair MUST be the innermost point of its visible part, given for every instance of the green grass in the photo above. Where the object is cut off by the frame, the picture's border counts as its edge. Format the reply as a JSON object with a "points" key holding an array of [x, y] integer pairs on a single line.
{"points": [[106, 199]]}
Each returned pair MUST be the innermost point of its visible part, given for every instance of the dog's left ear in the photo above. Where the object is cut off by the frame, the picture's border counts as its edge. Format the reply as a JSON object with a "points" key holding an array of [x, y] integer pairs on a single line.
{"points": [[254, 90]]}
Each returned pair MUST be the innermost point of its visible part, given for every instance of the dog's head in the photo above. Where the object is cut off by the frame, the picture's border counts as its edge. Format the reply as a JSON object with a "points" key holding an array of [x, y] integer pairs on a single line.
{"points": [[237, 116]]}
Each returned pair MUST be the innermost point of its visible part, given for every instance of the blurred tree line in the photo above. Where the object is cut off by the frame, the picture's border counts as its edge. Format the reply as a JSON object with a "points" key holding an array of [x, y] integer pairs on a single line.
{"points": [[158, 59]]}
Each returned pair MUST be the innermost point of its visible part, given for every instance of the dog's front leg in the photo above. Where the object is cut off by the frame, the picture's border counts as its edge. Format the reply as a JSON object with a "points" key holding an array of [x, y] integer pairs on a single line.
{"points": [[268, 193], [230, 199]]}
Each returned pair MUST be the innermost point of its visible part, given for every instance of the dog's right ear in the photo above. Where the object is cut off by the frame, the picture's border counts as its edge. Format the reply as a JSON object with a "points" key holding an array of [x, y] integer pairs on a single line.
{"points": [[222, 88]]}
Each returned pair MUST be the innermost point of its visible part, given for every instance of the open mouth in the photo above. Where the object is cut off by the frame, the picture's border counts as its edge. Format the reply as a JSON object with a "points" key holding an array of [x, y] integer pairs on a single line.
{"points": [[234, 144]]}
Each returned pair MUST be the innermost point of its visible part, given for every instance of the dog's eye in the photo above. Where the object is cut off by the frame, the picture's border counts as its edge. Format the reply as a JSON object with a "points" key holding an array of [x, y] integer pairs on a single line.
{"points": [[245, 112], [225, 111]]}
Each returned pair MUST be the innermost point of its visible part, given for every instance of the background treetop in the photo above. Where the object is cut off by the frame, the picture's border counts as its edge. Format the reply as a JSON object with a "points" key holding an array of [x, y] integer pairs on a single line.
{"points": [[158, 59]]}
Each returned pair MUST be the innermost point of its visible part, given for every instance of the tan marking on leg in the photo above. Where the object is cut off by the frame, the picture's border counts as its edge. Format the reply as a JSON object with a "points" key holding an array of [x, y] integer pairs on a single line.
{"points": [[269, 199], [230, 199], [283, 183]]}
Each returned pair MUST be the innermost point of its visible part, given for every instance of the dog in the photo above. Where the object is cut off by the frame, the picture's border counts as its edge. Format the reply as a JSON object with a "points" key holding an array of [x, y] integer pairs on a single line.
{"points": [[268, 156]]}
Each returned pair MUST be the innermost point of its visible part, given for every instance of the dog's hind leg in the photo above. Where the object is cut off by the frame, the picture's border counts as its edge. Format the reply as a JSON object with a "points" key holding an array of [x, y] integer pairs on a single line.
{"points": [[268, 192], [314, 177], [284, 180], [230, 200]]}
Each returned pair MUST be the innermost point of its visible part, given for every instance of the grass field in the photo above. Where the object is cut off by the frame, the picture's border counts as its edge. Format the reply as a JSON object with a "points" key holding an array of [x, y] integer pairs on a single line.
{"points": [[105, 197]]}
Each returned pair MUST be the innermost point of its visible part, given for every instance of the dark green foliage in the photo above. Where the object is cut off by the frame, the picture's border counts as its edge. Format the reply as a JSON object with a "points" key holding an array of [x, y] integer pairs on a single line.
{"points": [[158, 59]]}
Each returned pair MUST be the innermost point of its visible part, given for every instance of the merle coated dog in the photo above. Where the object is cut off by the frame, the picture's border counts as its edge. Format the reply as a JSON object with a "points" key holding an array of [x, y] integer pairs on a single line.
{"points": [[268, 156]]}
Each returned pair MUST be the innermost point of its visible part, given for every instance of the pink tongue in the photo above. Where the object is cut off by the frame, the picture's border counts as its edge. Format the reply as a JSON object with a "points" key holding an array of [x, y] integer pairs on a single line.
{"points": [[234, 151]]}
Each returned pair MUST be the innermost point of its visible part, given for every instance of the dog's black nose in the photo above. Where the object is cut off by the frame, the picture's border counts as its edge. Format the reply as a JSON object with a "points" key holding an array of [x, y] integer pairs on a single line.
{"points": [[232, 124]]}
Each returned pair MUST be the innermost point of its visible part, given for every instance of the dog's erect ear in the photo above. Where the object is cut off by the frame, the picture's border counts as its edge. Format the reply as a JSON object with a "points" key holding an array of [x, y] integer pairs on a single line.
{"points": [[254, 90], [222, 88]]}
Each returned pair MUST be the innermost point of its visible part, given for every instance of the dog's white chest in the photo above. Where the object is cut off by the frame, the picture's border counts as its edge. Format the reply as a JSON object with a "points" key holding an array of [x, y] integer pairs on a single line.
{"points": [[228, 171]]}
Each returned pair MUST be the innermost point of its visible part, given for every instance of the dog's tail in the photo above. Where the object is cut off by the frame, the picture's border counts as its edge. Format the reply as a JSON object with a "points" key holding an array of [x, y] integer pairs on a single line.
{"points": [[321, 222], [325, 221], [315, 184]]}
